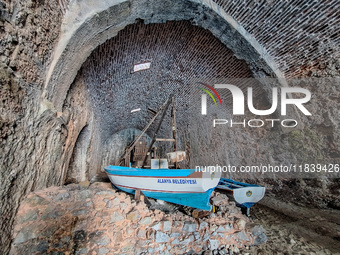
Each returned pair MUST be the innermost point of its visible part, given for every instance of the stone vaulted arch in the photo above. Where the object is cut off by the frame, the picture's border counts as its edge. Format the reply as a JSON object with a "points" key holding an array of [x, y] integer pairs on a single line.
{"points": [[89, 23]]}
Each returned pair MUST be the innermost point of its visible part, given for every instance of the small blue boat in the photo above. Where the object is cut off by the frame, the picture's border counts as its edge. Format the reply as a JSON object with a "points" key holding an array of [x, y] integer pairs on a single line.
{"points": [[245, 194]]}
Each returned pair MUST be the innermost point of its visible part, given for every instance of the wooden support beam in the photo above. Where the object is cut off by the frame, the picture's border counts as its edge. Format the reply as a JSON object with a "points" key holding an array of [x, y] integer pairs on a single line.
{"points": [[197, 213], [134, 143], [174, 126], [157, 129], [137, 194]]}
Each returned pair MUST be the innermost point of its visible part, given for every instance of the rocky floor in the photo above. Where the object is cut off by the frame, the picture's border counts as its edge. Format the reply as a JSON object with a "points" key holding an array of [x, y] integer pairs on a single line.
{"points": [[98, 220], [296, 230]]}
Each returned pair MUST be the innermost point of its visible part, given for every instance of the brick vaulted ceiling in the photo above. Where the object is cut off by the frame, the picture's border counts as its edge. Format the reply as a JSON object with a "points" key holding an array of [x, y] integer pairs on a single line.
{"points": [[181, 55], [276, 38], [299, 35]]}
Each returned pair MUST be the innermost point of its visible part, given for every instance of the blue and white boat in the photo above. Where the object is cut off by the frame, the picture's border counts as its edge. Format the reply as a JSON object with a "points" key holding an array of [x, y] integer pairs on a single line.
{"points": [[245, 194], [180, 186]]}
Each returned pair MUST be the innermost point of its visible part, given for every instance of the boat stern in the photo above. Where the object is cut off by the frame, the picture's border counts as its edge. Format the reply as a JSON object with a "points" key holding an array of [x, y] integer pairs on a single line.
{"points": [[210, 179]]}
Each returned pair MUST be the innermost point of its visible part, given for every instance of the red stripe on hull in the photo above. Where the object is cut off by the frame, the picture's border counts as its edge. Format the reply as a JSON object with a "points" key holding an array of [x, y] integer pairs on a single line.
{"points": [[159, 177], [162, 191]]}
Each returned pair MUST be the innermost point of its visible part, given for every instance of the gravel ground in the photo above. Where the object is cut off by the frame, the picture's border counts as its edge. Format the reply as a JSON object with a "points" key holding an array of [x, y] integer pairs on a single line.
{"points": [[296, 230]]}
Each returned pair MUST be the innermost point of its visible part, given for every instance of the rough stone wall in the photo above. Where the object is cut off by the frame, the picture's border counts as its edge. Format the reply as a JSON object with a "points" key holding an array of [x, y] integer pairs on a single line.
{"points": [[317, 143], [78, 119], [33, 134], [29, 31], [36, 143]]}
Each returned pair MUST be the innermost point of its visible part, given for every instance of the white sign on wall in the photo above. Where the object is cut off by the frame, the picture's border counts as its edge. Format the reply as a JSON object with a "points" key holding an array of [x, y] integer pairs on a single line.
{"points": [[142, 66]]}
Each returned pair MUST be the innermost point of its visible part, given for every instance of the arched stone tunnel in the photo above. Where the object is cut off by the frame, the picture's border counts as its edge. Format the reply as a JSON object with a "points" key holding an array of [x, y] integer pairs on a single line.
{"points": [[68, 88], [180, 59]]}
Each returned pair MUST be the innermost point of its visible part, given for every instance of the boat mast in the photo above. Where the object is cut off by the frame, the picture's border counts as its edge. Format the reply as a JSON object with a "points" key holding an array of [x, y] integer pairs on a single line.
{"points": [[174, 127], [126, 157], [158, 127]]}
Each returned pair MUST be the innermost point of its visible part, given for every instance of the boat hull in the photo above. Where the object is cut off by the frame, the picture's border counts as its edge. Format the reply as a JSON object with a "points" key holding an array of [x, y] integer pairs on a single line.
{"points": [[180, 186], [244, 194]]}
